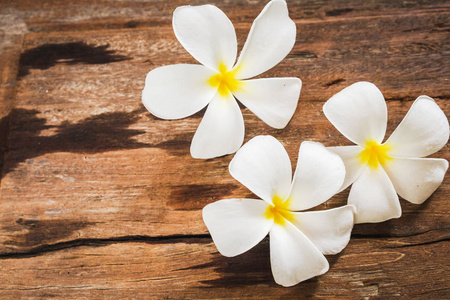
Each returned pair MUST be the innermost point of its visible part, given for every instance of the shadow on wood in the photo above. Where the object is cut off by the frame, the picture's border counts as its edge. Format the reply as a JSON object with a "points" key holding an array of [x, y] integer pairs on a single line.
{"points": [[251, 269], [48, 55], [36, 231], [95, 134], [196, 196]]}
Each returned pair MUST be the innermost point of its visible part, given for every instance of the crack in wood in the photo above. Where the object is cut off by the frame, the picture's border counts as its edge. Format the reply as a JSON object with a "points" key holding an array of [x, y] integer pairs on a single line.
{"points": [[420, 244], [338, 12], [337, 81], [172, 239], [412, 98], [195, 238], [383, 236]]}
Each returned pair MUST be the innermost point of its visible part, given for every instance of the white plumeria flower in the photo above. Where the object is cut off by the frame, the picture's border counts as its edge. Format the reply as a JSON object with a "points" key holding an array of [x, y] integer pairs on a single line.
{"points": [[178, 91], [298, 240], [379, 170]]}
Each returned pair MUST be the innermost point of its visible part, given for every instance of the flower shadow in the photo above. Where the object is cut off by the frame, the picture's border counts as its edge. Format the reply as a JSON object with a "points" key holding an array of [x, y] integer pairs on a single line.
{"points": [[412, 222], [48, 55], [251, 269], [30, 233], [95, 134]]}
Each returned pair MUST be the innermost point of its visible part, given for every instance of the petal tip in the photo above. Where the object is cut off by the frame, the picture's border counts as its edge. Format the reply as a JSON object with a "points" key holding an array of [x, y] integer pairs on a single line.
{"points": [[425, 97], [445, 165], [359, 220], [290, 283], [353, 208], [281, 33]]}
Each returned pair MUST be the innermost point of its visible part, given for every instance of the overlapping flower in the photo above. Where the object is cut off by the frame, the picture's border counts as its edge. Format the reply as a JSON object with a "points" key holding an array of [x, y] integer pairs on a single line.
{"points": [[298, 240], [379, 171], [178, 91]]}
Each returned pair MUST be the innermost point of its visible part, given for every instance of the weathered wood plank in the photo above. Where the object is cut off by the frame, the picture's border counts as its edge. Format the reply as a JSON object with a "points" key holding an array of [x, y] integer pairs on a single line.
{"points": [[153, 190], [99, 199], [87, 160], [11, 36], [192, 269], [404, 55], [60, 15]]}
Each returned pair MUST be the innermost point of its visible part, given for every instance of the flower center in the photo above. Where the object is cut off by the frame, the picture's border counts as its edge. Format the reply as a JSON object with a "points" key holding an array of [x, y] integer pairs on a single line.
{"points": [[224, 80], [278, 211], [375, 154]]}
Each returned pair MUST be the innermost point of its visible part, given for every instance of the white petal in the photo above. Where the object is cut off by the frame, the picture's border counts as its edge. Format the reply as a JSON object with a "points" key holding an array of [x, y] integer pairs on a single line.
{"points": [[359, 112], [263, 166], [293, 257], [236, 225], [271, 38], [329, 230], [207, 34], [221, 130], [415, 179], [374, 197], [177, 91], [423, 131], [319, 175], [353, 166], [273, 100]]}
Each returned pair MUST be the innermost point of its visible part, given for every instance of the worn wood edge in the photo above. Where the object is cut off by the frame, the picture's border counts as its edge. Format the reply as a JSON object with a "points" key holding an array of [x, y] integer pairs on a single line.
{"points": [[194, 268], [299, 62], [140, 15]]}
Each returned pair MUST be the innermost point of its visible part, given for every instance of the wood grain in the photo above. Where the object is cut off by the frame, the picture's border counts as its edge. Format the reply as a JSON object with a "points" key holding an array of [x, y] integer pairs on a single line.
{"points": [[191, 268], [100, 199]]}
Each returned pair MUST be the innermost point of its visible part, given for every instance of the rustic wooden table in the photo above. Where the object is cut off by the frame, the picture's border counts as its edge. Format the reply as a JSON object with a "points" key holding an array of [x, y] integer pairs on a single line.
{"points": [[100, 199]]}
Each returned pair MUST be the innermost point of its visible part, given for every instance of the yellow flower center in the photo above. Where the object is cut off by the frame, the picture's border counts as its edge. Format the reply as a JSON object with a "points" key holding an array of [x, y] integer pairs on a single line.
{"points": [[278, 211], [225, 80], [375, 154]]}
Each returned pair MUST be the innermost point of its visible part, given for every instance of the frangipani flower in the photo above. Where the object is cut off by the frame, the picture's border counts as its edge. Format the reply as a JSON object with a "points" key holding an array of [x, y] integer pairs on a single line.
{"points": [[298, 240], [178, 91], [379, 171]]}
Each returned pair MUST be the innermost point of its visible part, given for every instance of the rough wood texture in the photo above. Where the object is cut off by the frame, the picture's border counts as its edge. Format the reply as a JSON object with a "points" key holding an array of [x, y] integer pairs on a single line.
{"points": [[100, 199]]}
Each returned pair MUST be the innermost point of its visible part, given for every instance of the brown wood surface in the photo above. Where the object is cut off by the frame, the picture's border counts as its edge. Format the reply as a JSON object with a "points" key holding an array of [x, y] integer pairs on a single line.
{"points": [[100, 199]]}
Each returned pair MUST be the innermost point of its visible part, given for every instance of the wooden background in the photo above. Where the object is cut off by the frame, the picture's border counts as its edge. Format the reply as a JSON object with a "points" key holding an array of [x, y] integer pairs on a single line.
{"points": [[100, 199]]}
